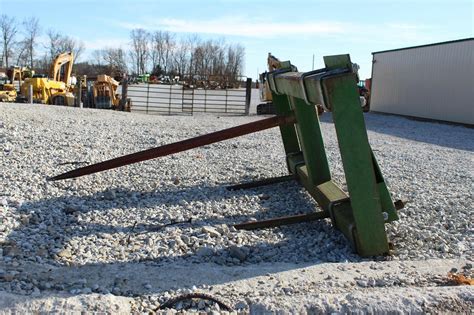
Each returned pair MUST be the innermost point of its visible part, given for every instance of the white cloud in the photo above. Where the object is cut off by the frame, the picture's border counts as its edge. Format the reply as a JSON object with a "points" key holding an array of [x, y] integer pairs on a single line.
{"points": [[263, 28], [242, 27]]}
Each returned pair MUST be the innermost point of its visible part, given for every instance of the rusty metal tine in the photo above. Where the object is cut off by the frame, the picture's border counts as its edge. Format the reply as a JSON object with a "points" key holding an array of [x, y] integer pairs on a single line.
{"points": [[262, 182], [179, 146], [275, 222]]}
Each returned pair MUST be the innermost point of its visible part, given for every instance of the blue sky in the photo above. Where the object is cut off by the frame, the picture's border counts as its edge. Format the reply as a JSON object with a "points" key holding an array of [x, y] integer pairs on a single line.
{"points": [[291, 30]]}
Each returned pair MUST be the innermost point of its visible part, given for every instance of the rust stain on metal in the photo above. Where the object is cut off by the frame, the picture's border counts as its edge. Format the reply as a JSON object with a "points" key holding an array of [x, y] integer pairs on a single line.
{"points": [[399, 204]]}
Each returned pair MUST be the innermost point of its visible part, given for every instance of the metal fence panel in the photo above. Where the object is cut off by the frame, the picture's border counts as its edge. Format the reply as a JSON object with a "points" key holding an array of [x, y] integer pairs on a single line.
{"points": [[179, 100]]}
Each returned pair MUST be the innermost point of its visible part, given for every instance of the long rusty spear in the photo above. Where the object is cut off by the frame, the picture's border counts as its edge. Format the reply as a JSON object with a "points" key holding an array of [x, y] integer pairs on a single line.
{"points": [[179, 146]]}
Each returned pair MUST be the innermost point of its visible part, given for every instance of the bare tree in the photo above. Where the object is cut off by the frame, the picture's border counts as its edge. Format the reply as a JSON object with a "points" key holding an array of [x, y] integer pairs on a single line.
{"points": [[235, 61], [194, 42], [21, 49], [181, 57], [208, 58], [32, 31], [97, 57], [8, 29], [114, 59], [155, 51], [42, 64], [54, 39], [217, 61], [59, 44], [69, 44], [218, 58], [140, 50], [163, 45], [169, 44]]}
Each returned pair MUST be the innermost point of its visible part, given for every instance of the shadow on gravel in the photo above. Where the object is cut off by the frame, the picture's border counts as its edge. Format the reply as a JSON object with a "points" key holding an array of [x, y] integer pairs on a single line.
{"points": [[441, 134], [44, 244]]}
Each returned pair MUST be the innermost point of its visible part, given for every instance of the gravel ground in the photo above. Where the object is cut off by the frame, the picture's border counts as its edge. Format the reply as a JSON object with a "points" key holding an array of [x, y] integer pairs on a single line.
{"points": [[131, 238]]}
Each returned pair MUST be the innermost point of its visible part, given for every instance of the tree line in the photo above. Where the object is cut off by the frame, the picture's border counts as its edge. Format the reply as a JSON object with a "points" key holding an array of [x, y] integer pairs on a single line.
{"points": [[158, 52], [164, 53]]}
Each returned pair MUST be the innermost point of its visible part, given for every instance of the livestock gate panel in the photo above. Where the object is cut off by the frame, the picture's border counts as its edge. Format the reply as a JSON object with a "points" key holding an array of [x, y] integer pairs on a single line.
{"points": [[157, 99], [178, 100]]}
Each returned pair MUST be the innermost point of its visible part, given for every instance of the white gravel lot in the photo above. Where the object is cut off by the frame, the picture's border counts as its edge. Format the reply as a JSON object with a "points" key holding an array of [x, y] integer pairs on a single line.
{"points": [[98, 242]]}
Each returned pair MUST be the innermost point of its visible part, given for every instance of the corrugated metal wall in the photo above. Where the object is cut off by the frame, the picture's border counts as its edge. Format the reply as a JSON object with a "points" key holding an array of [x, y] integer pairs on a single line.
{"points": [[435, 82]]}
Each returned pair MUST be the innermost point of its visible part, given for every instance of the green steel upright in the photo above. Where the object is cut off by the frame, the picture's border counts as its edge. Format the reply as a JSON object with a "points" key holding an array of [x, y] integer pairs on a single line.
{"points": [[361, 212]]}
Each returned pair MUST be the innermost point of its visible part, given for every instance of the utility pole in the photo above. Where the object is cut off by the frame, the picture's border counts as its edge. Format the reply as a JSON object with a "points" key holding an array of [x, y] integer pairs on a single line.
{"points": [[313, 62]]}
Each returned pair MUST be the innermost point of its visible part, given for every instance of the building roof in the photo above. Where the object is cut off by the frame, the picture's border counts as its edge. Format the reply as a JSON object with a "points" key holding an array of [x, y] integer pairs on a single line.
{"points": [[427, 45]]}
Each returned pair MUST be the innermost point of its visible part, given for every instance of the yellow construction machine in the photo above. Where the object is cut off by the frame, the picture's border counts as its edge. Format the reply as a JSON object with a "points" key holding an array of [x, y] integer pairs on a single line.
{"points": [[105, 94], [8, 92], [7, 89], [16, 73], [58, 88], [273, 63]]}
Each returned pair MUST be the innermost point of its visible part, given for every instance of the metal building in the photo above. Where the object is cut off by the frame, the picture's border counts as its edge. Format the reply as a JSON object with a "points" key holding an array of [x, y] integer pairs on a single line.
{"points": [[433, 81]]}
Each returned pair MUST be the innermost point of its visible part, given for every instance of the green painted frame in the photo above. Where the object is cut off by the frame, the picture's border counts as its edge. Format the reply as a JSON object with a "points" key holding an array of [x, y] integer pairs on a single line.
{"points": [[361, 213]]}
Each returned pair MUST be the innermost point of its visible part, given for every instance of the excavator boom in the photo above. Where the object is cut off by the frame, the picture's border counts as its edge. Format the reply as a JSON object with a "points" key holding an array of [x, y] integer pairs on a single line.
{"points": [[62, 61]]}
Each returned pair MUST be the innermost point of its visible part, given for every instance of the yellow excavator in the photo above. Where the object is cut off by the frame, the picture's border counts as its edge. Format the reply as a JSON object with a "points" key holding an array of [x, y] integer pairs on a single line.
{"points": [[58, 88], [105, 92]]}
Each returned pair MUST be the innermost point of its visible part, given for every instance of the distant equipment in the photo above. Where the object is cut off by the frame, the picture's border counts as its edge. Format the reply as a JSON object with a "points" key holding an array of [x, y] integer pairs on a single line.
{"points": [[273, 63], [364, 94], [8, 92], [105, 92]]}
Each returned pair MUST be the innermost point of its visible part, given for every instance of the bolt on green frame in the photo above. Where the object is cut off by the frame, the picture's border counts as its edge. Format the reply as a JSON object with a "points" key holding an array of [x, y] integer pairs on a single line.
{"points": [[360, 215]]}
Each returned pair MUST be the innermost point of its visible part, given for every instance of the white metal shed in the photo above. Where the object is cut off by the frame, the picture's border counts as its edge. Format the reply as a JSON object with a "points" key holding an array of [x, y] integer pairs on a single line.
{"points": [[433, 81]]}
